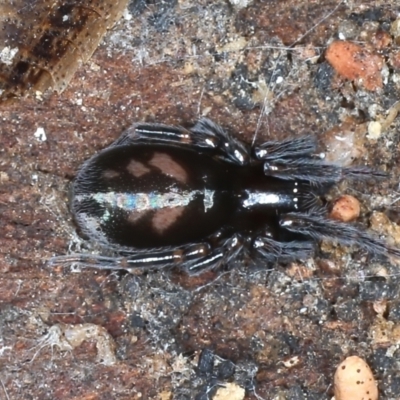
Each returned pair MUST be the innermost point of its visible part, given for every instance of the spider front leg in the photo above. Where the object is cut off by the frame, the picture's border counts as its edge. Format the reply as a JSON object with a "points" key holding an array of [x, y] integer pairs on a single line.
{"points": [[296, 159], [286, 149], [205, 136], [315, 225], [317, 172]]}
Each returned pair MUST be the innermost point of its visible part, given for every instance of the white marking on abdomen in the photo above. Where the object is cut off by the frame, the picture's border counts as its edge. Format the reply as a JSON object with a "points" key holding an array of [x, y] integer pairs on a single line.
{"points": [[257, 198], [143, 201]]}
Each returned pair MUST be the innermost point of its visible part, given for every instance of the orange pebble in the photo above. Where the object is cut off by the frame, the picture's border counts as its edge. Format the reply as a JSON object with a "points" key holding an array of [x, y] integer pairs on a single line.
{"points": [[346, 208], [355, 63]]}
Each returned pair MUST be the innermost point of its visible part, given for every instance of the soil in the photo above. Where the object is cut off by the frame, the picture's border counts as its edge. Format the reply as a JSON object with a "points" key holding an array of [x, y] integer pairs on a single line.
{"points": [[258, 68]]}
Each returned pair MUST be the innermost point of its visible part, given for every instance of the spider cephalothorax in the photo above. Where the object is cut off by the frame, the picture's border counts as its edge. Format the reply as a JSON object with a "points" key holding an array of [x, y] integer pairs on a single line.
{"points": [[166, 196]]}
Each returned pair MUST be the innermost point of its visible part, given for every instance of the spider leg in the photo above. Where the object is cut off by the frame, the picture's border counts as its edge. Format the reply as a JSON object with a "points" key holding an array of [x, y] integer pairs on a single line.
{"points": [[317, 172], [205, 136], [315, 225], [289, 148], [232, 149], [224, 252], [193, 258], [154, 133], [274, 251], [136, 261]]}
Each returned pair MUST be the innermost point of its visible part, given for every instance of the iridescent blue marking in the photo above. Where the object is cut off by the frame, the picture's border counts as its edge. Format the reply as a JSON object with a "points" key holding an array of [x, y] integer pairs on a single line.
{"points": [[147, 201], [130, 202], [155, 200]]}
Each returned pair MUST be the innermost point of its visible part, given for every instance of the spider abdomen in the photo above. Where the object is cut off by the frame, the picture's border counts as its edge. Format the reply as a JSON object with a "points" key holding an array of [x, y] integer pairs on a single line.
{"points": [[141, 196]]}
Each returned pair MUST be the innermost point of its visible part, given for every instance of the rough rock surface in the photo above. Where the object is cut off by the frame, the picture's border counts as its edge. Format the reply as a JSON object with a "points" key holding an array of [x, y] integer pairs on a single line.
{"points": [[257, 68]]}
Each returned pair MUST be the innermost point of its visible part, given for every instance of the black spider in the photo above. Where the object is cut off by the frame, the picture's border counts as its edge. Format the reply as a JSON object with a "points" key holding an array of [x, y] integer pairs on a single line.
{"points": [[163, 196]]}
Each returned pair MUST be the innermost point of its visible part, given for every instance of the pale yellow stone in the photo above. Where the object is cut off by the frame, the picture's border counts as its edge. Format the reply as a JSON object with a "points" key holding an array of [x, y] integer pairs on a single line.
{"points": [[230, 391], [354, 380]]}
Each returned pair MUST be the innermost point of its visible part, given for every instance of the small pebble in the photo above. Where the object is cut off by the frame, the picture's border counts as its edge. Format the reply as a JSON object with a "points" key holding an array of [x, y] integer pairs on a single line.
{"points": [[346, 208], [40, 134], [354, 380], [394, 59], [380, 306], [381, 40], [395, 30], [374, 130], [345, 142], [356, 63], [240, 3], [348, 30], [230, 391]]}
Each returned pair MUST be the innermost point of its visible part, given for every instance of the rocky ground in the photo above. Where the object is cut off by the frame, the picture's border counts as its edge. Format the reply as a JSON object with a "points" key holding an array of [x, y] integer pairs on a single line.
{"points": [[262, 69]]}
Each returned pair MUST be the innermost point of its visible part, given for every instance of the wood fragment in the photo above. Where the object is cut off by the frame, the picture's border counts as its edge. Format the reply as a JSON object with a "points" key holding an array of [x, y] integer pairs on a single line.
{"points": [[44, 42]]}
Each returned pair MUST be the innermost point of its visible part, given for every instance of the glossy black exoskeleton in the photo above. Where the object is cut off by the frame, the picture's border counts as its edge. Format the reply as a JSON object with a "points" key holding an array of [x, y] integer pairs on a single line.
{"points": [[166, 196]]}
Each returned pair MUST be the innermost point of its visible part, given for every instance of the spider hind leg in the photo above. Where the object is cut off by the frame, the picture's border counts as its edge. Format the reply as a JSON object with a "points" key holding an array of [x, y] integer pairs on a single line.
{"points": [[132, 262], [195, 258]]}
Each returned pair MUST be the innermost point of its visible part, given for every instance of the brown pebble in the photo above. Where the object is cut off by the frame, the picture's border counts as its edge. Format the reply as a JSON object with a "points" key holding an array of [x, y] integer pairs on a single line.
{"points": [[394, 59], [381, 40], [356, 63], [380, 306], [346, 208], [354, 380]]}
